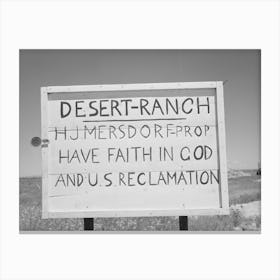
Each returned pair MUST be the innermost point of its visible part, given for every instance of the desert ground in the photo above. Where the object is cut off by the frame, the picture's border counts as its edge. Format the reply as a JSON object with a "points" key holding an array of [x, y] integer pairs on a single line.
{"points": [[245, 211]]}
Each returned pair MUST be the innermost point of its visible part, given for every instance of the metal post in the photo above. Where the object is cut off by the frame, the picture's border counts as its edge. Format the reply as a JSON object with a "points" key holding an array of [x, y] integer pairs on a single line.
{"points": [[183, 223], [88, 223]]}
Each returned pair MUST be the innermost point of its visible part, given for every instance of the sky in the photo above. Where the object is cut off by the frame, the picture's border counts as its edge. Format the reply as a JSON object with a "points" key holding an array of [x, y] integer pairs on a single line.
{"points": [[242, 93]]}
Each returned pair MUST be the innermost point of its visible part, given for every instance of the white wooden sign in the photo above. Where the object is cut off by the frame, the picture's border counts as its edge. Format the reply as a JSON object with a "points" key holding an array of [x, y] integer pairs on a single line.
{"points": [[145, 155]]}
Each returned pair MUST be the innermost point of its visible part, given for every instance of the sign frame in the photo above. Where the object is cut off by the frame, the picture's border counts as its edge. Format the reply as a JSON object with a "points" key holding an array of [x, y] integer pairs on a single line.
{"points": [[221, 141]]}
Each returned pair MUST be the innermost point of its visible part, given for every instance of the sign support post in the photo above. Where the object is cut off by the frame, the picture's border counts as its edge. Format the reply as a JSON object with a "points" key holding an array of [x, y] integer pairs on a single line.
{"points": [[88, 223], [183, 223]]}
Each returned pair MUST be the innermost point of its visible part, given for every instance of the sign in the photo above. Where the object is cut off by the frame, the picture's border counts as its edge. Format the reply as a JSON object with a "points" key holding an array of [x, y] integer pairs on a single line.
{"points": [[146, 150]]}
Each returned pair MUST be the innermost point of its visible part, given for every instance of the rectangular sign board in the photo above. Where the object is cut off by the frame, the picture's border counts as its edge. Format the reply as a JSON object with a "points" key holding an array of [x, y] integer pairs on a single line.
{"points": [[132, 154]]}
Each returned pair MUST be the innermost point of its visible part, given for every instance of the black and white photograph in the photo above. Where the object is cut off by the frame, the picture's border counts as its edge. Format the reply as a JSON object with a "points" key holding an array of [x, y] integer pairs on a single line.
{"points": [[140, 140]]}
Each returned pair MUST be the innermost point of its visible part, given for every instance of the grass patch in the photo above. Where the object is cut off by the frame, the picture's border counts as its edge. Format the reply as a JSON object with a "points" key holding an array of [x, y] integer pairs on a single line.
{"points": [[241, 190]]}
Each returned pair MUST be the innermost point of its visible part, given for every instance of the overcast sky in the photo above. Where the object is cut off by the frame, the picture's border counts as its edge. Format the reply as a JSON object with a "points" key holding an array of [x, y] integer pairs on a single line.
{"points": [[80, 67]]}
